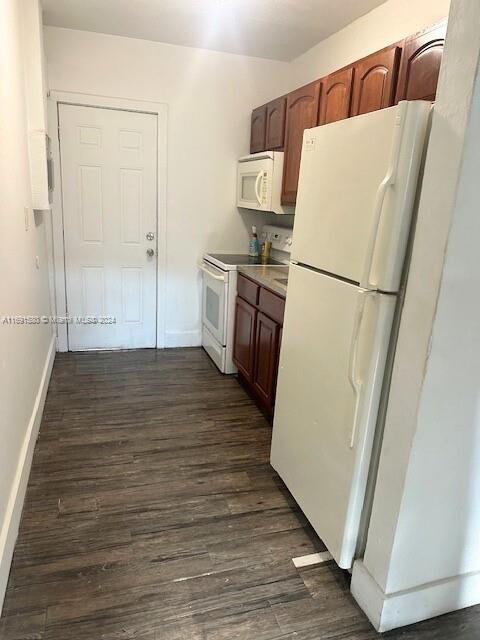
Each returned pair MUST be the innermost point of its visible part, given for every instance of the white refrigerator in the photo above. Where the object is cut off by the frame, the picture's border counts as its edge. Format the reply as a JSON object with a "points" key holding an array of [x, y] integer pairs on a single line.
{"points": [[358, 180]]}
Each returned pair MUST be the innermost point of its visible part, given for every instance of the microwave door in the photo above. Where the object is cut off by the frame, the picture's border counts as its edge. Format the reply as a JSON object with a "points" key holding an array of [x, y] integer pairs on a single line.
{"points": [[249, 185], [253, 187]]}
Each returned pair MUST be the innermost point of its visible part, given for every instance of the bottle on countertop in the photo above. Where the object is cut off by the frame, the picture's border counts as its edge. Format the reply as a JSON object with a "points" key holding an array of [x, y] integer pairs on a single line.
{"points": [[254, 245], [266, 250]]}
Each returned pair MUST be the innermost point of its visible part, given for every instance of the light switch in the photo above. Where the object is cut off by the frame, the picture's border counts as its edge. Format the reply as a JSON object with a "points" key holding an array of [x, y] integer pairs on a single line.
{"points": [[37, 262]]}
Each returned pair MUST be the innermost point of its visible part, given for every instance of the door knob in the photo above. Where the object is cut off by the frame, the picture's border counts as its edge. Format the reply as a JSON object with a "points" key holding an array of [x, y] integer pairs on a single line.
{"points": [[150, 235], [150, 253]]}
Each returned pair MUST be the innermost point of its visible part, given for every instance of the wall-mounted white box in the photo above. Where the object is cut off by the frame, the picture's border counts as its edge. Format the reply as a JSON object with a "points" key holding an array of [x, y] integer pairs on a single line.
{"points": [[41, 170]]}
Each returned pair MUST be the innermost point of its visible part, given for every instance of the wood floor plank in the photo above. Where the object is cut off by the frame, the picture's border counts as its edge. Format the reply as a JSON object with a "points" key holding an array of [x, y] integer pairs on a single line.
{"points": [[152, 513], [28, 626]]}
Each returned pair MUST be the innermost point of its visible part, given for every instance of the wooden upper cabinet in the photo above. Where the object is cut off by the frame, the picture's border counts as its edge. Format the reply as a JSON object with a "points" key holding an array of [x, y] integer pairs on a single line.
{"points": [[403, 71], [275, 128], [258, 129], [336, 96], [302, 113], [375, 81], [420, 65]]}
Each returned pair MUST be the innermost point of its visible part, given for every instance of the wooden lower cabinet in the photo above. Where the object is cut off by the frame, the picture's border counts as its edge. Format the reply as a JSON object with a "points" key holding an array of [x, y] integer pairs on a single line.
{"points": [[266, 359], [244, 345], [258, 330]]}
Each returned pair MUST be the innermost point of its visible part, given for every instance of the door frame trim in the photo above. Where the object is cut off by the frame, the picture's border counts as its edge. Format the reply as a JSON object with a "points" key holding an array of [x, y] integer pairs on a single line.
{"points": [[56, 228]]}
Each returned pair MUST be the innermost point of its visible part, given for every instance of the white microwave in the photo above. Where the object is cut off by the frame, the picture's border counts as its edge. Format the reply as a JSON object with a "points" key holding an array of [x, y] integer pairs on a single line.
{"points": [[259, 182]]}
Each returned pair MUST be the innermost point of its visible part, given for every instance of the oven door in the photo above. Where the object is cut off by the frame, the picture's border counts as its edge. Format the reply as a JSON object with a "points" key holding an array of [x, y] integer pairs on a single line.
{"points": [[214, 306], [254, 184]]}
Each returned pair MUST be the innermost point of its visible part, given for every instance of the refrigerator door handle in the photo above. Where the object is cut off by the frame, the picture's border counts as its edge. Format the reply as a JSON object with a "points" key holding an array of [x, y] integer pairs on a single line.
{"points": [[352, 364], [387, 182], [377, 216]]}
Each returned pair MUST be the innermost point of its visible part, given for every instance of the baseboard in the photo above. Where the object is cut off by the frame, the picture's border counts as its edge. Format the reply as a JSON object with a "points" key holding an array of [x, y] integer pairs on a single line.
{"points": [[9, 529], [183, 338], [390, 611]]}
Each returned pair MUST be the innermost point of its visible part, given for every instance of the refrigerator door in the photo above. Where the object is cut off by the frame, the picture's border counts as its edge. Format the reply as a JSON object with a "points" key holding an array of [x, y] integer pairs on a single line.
{"points": [[334, 348], [357, 186]]}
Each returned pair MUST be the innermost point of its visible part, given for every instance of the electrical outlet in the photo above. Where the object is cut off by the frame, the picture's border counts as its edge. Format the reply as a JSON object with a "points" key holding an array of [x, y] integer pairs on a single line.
{"points": [[26, 211]]}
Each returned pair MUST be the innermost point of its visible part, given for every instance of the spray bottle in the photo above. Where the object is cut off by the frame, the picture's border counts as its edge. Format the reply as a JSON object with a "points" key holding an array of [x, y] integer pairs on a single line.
{"points": [[254, 246]]}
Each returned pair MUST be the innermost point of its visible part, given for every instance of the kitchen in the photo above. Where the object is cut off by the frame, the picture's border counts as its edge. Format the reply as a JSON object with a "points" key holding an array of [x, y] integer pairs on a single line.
{"points": [[299, 263]]}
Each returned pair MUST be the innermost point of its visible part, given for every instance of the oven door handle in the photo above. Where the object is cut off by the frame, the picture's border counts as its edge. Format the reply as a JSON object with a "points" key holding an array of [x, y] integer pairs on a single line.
{"points": [[203, 268]]}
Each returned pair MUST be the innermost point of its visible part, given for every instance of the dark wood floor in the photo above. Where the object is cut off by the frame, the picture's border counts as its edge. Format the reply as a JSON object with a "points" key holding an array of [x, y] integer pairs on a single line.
{"points": [[152, 513]]}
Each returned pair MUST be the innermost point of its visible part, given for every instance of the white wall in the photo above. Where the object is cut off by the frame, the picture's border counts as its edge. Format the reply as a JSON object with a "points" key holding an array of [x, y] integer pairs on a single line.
{"points": [[23, 287], [422, 556], [34, 65], [210, 96], [388, 23]]}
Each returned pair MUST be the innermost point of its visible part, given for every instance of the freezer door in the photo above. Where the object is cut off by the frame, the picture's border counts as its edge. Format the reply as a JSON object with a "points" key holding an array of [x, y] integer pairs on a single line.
{"points": [[358, 179], [334, 347]]}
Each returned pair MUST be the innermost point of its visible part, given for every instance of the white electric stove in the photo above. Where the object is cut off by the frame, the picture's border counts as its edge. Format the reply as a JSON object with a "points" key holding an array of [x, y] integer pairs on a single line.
{"points": [[220, 289]]}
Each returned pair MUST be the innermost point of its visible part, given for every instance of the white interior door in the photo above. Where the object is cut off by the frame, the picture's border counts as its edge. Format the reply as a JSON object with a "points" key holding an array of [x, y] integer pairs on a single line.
{"points": [[109, 189], [334, 347]]}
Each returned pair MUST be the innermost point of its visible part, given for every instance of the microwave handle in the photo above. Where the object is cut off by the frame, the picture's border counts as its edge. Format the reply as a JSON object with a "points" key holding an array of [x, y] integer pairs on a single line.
{"points": [[257, 182]]}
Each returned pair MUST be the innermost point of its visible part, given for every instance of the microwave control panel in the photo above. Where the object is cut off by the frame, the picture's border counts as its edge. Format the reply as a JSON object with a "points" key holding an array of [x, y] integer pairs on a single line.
{"points": [[264, 188]]}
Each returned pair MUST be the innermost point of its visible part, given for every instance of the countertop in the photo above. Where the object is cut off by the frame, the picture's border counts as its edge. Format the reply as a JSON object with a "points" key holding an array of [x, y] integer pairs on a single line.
{"points": [[268, 276]]}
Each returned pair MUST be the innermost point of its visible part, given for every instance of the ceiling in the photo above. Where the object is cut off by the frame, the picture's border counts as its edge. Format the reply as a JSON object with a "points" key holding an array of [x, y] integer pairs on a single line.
{"points": [[276, 29]]}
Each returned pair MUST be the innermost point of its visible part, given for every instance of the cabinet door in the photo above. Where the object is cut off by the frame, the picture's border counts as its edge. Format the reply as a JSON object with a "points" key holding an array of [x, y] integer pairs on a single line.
{"points": [[279, 348], [266, 359], [420, 64], [302, 113], [375, 80], [244, 341], [336, 96], [276, 111], [258, 129]]}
